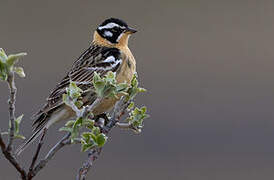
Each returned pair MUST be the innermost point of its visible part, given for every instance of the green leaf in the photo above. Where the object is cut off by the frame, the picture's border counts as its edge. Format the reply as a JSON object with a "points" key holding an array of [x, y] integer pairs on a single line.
{"points": [[137, 117], [86, 147], [94, 138], [142, 90], [70, 123], [107, 86], [74, 91], [3, 56], [78, 122], [19, 71], [131, 105], [65, 99], [13, 58], [99, 87], [79, 104], [3, 76], [96, 77], [3, 71], [17, 123], [18, 136], [74, 134], [122, 87], [86, 136], [110, 75], [88, 123], [143, 110], [67, 129], [134, 89], [96, 131], [7, 63], [101, 139]]}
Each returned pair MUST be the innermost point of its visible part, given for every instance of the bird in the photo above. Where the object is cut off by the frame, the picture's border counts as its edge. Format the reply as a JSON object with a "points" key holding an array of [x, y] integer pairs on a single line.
{"points": [[108, 51]]}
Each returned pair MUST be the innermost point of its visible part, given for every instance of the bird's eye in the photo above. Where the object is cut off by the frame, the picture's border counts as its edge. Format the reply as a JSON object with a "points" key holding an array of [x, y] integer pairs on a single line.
{"points": [[115, 30]]}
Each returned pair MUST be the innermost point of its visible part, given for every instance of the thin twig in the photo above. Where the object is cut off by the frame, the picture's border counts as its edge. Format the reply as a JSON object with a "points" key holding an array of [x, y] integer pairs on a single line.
{"points": [[74, 107], [90, 108], [7, 151], [119, 109], [64, 141], [34, 159], [12, 159], [123, 125], [86, 109], [92, 156], [128, 126], [2, 143], [94, 104], [12, 99]]}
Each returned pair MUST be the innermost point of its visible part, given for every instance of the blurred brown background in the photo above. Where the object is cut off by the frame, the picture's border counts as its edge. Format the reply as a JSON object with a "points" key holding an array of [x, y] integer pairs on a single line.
{"points": [[208, 66]]}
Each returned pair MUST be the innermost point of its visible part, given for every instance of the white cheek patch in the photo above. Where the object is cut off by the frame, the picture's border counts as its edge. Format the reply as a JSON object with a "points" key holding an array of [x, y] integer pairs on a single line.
{"points": [[108, 34]]}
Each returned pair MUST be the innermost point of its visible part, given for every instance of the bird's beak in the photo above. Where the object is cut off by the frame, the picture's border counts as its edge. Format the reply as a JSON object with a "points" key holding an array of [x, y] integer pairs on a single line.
{"points": [[130, 30]]}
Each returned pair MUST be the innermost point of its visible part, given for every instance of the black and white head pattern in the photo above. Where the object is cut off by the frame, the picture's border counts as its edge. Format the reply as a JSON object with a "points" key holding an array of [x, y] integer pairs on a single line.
{"points": [[112, 29]]}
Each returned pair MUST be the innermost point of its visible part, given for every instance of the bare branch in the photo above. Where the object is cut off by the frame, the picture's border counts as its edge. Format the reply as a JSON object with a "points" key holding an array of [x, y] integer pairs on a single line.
{"points": [[12, 100], [92, 156], [34, 159], [2, 143], [7, 151], [124, 125], [74, 107], [86, 109], [89, 108], [128, 126], [94, 104], [64, 141], [11, 158], [119, 110]]}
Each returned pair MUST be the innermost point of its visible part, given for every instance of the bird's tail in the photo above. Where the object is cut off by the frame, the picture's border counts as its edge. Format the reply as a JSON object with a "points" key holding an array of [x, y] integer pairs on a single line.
{"points": [[36, 133], [34, 136], [44, 121]]}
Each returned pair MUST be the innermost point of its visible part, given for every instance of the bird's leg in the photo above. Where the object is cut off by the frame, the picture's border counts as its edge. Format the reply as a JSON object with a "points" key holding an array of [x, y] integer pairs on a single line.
{"points": [[101, 120]]}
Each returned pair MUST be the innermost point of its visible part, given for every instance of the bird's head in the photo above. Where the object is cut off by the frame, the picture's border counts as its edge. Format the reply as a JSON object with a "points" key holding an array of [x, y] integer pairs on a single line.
{"points": [[113, 32]]}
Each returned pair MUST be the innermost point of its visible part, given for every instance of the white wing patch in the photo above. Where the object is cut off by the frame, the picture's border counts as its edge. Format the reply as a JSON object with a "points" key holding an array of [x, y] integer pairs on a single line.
{"points": [[109, 59], [119, 61]]}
